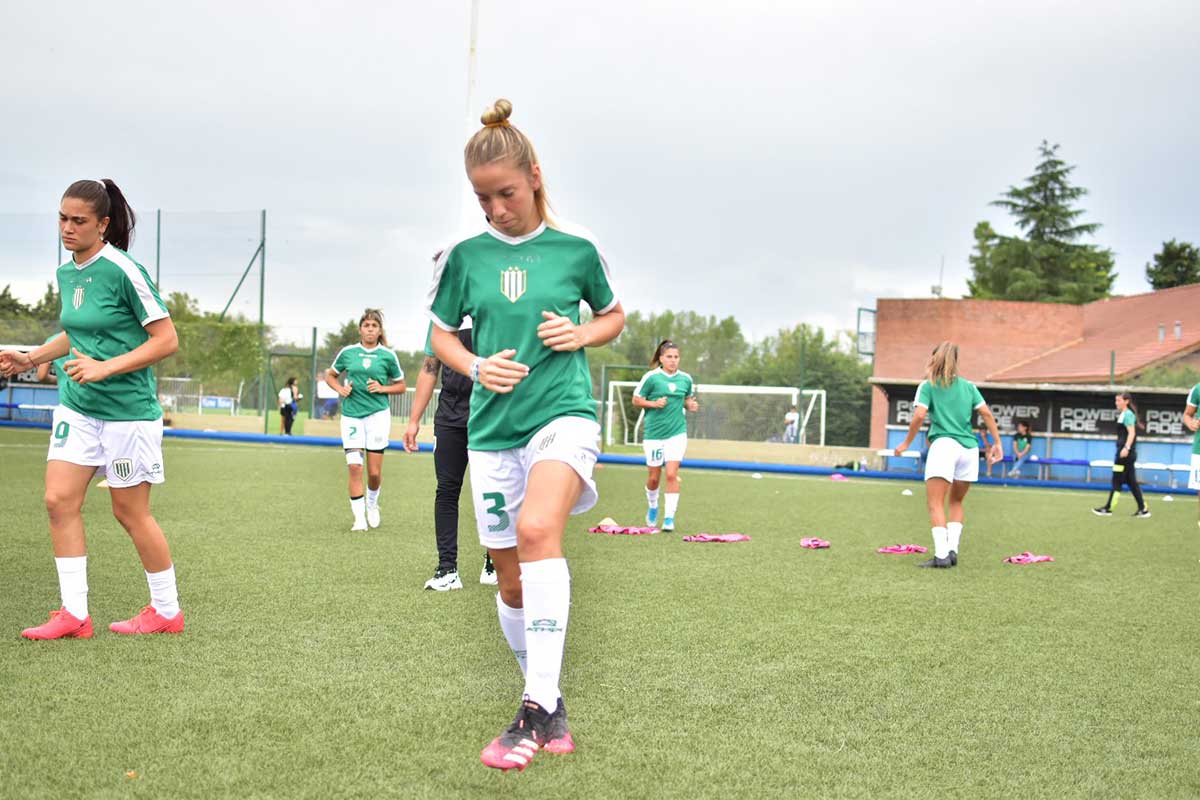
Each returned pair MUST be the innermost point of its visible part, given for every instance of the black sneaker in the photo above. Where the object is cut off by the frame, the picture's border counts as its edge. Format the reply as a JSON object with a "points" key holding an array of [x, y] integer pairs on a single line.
{"points": [[558, 736], [520, 741], [1102, 511], [935, 562], [1142, 513], [954, 558]]}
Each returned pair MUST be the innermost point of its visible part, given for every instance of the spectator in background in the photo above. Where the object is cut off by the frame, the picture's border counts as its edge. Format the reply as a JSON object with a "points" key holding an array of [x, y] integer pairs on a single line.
{"points": [[1022, 445], [985, 445], [327, 407], [791, 426], [289, 405]]}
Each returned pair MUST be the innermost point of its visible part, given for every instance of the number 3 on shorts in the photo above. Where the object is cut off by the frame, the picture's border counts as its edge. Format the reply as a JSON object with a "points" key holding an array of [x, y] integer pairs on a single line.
{"points": [[61, 430], [497, 509]]}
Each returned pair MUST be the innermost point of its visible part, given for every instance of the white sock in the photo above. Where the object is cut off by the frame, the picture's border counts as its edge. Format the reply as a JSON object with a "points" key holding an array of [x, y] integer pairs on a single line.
{"points": [[163, 594], [373, 497], [941, 545], [546, 592], [652, 498], [672, 504], [72, 584], [359, 506], [512, 622], [953, 533]]}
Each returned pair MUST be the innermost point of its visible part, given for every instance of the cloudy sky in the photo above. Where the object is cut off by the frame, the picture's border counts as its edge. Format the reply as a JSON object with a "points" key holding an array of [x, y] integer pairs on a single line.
{"points": [[785, 162]]}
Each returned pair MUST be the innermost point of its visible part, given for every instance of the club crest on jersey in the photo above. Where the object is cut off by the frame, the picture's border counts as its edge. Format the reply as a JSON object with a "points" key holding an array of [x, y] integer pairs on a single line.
{"points": [[671, 387], [77, 298], [122, 468], [512, 283], [366, 362]]}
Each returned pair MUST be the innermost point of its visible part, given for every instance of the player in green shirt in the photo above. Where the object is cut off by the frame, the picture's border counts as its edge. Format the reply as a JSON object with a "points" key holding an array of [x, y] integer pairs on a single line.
{"points": [[952, 464], [532, 432], [1193, 424], [60, 377], [115, 328], [1125, 460], [664, 393], [372, 373]]}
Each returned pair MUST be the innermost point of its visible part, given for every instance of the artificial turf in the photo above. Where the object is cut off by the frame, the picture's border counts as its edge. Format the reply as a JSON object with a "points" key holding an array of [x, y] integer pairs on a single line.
{"points": [[314, 665]]}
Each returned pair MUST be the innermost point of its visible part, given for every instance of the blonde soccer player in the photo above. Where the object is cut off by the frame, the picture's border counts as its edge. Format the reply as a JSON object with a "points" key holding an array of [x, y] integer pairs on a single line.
{"points": [[365, 375], [950, 402], [115, 327], [532, 432], [664, 393]]}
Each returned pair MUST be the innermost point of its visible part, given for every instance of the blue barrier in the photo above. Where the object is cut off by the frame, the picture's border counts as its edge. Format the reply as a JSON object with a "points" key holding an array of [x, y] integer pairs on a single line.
{"points": [[609, 458]]}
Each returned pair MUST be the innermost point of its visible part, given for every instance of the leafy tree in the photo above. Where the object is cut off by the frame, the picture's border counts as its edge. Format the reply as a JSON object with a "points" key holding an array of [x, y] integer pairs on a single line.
{"points": [[49, 307], [1177, 265], [1050, 264], [11, 307]]}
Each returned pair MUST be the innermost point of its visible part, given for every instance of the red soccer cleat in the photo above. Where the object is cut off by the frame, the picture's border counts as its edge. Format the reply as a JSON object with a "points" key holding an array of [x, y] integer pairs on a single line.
{"points": [[519, 743], [149, 621], [61, 625]]}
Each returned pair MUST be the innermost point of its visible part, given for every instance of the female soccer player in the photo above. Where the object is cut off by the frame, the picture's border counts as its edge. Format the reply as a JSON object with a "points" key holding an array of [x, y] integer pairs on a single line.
{"points": [[953, 461], [532, 432], [1125, 461], [115, 327], [1193, 425], [449, 458], [665, 392], [372, 373]]}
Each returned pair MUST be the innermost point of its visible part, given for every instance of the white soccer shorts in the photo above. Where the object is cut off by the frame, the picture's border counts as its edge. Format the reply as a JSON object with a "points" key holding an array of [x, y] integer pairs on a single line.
{"points": [[660, 451], [950, 461], [367, 433], [499, 477], [1194, 475], [129, 451]]}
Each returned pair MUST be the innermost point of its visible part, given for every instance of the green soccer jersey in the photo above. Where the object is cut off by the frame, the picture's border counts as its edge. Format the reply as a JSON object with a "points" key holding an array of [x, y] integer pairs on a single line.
{"points": [[951, 410], [1021, 441], [505, 283], [1194, 401], [361, 364], [106, 303], [670, 420], [60, 371]]}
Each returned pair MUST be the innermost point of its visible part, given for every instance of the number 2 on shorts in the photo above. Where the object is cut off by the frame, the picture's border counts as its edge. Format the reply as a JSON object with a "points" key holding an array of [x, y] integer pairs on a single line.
{"points": [[497, 509]]}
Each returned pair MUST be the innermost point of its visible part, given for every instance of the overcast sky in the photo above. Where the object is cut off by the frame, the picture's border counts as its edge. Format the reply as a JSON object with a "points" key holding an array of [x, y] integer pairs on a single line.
{"points": [[786, 162]]}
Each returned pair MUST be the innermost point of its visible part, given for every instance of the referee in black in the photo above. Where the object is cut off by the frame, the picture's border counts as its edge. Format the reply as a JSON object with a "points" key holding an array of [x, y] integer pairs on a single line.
{"points": [[449, 458]]}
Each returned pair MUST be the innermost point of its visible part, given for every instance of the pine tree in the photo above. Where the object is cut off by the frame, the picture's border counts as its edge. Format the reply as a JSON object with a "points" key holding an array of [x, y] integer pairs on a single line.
{"points": [[1050, 264], [1177, 265]]}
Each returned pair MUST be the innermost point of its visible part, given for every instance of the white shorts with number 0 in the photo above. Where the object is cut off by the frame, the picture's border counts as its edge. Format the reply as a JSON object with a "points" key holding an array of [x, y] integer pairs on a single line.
{"points": [[499, 477], [660, 451], [1194, 475], [951, 461], [129, 451], [367, 433]]}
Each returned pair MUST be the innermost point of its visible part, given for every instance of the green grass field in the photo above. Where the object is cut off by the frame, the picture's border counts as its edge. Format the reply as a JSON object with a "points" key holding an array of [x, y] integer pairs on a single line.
{"points": [[315, 666]]}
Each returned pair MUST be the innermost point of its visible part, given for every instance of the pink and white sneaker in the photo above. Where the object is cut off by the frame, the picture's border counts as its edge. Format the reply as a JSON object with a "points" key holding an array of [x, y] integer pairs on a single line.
{"points": [[149, 621]]}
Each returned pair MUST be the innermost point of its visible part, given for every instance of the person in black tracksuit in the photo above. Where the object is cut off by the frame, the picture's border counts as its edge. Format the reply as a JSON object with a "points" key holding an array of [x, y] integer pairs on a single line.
{"points": [[449, 459], [1125, 461]]}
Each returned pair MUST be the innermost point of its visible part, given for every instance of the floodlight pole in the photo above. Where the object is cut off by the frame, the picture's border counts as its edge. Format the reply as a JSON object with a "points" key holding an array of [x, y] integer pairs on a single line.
{"points": [[158, 249]]}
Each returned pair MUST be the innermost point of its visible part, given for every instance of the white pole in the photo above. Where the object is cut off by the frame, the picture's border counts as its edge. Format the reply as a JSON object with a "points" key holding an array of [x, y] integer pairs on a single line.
{"points": [[469, 214]]}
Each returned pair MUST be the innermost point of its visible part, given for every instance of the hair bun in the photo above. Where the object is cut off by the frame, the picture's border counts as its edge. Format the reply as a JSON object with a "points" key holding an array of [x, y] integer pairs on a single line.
{"points": [[500, 111]]}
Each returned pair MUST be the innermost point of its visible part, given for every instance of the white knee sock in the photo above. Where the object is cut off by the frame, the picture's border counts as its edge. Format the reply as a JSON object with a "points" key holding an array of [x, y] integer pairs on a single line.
{"points": [[163, 594], [953, 533], [512, 622], [358, 505], [546, 592], [941, 545], [72, 585], [652, 498], [373, 497], [672, 504]]}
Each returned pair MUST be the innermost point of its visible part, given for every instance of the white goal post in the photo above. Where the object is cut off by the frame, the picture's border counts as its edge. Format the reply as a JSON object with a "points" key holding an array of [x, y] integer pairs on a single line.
{"points": [[740, 413]]}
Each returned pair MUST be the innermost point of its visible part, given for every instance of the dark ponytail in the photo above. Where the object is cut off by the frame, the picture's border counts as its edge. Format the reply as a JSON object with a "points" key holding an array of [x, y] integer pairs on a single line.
{"points": [[665, 344], [1128, 398], [107, 201]]}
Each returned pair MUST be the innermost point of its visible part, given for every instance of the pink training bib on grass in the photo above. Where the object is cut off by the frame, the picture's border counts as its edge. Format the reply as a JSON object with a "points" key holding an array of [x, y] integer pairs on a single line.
{"points": [[813, 543], [717, 537], [1027, 558], [902, 549], [622, 529]]}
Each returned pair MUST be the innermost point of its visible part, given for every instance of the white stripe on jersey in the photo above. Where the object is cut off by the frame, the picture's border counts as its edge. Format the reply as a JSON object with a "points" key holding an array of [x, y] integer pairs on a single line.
{"points": [[150, 307], [572, 229], [438, 268], [638, 389]]}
